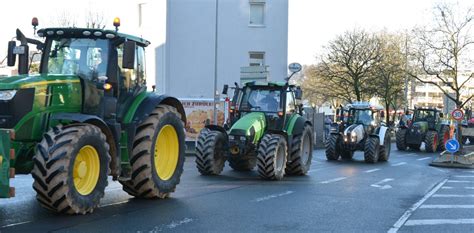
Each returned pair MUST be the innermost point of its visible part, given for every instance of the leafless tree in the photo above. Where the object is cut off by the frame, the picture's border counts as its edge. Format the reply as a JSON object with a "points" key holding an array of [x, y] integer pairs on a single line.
{"points": [[95, 19]]}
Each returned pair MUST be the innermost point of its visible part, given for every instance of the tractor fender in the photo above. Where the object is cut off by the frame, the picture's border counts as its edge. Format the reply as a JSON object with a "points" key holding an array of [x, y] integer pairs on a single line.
{"points": [[217, 128], [296, 125], [381, 131], [149, 103]]}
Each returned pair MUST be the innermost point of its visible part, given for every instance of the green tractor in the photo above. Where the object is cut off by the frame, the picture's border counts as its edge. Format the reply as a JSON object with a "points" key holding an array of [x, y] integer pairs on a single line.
{"points": [[84, 117], [428, 126], [267, 131]]}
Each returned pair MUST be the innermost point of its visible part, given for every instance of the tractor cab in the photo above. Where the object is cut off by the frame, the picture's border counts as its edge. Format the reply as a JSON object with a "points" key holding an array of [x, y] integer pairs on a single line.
{"points": [[364, 114]]}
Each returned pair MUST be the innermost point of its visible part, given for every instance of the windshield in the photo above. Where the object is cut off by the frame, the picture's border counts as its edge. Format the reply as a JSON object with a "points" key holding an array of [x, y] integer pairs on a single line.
{"points": [[73, 56], [261, 100], [424, 115], [360, 116]]}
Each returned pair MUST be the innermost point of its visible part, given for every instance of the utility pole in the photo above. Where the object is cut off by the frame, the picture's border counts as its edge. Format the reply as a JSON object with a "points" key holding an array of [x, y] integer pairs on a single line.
{"points": [[406, 71], [216, 94]]}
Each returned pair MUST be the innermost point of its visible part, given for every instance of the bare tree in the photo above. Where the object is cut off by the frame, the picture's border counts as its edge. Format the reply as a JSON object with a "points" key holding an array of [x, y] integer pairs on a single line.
{"points": [[389, 74], [441, 51], [349, 62], [95, 19], [64, 19]]}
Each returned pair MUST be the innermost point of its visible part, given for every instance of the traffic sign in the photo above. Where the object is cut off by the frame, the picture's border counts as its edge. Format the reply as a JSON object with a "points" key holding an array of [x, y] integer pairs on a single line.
{"points": [[457, 114], [452, 145]]}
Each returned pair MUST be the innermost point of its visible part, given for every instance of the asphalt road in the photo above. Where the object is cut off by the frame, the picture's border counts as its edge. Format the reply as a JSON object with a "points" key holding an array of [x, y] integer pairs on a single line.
{"points": [[401, 195]]}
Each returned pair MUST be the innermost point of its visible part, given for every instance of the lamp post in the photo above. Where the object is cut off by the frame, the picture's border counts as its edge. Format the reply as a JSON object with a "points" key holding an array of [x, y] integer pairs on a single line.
{"points": [[216, 94]]}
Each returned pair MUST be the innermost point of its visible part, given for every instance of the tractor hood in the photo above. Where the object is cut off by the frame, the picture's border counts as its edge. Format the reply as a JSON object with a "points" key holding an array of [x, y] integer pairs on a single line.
{"points": [[251, 124], [28, 81]]}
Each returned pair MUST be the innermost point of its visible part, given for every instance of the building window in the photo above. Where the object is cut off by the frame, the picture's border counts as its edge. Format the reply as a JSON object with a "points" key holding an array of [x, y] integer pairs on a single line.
{"points": [[257, 10], [257, 58]]}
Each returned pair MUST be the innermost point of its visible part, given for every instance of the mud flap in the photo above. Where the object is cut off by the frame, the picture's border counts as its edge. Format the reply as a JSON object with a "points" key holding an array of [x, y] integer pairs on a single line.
{"points": [[5, 164]]}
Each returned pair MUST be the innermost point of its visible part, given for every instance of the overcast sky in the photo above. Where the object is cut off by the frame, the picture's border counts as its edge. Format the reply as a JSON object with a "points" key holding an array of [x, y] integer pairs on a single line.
{"points": [[312, 23]]}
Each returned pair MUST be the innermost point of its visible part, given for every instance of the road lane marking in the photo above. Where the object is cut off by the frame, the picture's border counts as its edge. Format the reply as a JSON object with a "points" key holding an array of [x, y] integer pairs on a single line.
{"points": [[172, 225], [447, 207], [464, 176], [469, 187], [459, 181], [424, 158], [380, 186], [439, 221], [446, 187], [15, 224], [415, 206], [266, 198], [372, 170], [333, 180], [398, 164], [453, 195], [115, 203]]}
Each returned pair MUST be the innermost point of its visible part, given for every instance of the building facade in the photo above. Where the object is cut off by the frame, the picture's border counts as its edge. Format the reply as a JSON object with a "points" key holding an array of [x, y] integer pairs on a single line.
{"points": [[197, 43]]}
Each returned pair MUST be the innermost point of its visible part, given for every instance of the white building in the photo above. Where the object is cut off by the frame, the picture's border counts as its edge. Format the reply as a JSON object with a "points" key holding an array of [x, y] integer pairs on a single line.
{"points": [[196, 41]]}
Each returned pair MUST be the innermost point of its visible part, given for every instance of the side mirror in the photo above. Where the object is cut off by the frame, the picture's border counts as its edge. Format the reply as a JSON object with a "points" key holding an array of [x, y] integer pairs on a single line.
{"points": [[226, 88], [11, 58], [441, 115], [298, 93], [128, 61]]}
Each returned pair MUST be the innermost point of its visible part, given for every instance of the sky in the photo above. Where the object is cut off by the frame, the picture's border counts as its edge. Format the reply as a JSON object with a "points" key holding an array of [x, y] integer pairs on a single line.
{"points": [[312, 23]]}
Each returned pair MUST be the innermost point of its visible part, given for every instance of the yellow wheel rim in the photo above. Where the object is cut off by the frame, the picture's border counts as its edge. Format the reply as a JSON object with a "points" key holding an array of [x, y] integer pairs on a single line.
{"points": [[86, 170], [166, 152]]}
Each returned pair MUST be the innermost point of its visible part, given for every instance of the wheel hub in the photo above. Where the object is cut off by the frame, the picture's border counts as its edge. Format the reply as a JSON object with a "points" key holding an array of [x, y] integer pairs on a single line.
{"points": [[166, 152]]}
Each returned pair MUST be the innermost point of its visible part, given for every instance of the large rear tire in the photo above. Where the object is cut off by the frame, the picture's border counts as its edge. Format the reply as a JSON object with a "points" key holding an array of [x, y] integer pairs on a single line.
{"points": [[371, 150], [431, 141], [70, 169], [401, 139], [272, 157], [333, 147], [386, 148], [301, 155], [158, 155], [210, 152]]}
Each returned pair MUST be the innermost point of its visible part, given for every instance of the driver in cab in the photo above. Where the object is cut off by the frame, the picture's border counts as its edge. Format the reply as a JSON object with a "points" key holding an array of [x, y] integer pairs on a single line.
{"points": [[269, 102]]}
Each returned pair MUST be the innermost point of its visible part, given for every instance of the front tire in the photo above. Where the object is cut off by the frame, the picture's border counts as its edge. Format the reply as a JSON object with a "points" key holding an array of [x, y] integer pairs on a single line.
{"points": [[371, 150], [431, 141], [210, 151], [272, 157], [70, 168], [301, 155], [333, 147], [401, 139], [386, 148], [158, 155]]}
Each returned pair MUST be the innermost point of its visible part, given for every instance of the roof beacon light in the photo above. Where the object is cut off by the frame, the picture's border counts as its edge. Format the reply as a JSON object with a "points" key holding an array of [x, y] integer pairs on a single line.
{"points": [[116, 23], [34, 23]]}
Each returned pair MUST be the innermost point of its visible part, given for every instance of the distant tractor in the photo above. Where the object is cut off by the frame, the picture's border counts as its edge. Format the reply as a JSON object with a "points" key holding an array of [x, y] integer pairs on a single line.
{"points": [[428, 126], [86, 116], [360, 127], [267, 131]]}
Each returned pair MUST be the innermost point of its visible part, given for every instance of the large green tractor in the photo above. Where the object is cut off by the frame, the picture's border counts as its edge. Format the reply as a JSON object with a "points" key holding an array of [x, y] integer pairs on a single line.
{"points": [[267, 130], [85, 117], [426, 126]]}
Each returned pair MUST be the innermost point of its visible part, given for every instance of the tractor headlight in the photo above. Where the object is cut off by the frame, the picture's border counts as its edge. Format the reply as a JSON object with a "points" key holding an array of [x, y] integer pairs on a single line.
{"points": [[353, 137], [243, 138], [7, 95], [231, 137]]}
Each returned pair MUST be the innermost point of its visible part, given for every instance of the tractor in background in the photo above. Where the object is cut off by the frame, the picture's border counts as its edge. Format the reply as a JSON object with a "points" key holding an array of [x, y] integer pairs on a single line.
{"points": [[427, 125], [267, 130], [360, 128], [85, 116]]}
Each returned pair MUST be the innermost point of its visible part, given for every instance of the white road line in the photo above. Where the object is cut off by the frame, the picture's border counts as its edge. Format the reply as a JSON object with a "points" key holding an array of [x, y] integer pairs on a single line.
{"points": [[459, 181], [453, 195], [14, 224], [380, 186], [439, 221], [446, 187], [372, 170], [266, 198], [333, 180], [415, 206], [464, 176], [398, 164], [469, 187], [424, 158], [447, 207], [115, 203], [411, 154]]}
